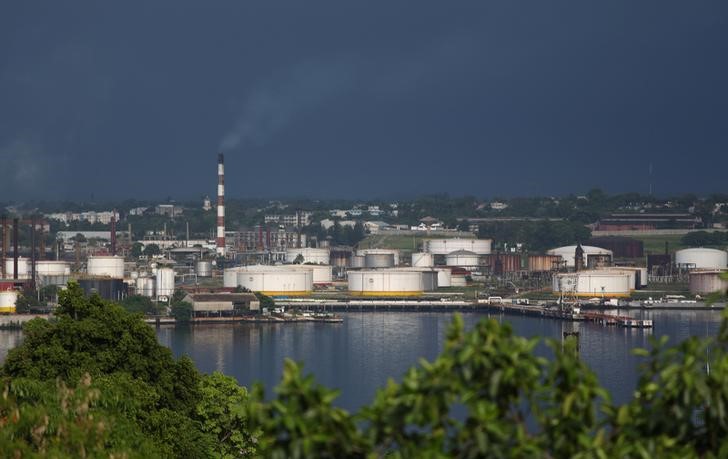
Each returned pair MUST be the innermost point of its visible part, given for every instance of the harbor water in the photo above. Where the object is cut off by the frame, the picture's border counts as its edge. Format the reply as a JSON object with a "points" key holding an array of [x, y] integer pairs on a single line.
{"points": [[359, 355]]}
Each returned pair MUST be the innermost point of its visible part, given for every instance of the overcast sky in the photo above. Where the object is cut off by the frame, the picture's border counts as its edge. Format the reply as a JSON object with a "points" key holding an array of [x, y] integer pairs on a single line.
{"points": [[361, 99]]}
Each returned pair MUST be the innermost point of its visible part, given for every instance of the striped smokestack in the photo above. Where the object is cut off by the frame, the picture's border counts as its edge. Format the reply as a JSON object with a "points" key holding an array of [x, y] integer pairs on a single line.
{"points": [[220, 205]]}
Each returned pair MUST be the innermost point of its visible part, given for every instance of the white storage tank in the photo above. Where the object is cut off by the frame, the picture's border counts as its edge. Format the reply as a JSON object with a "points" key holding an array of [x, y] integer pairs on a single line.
{"points": [[203, 268], [634, 275], [444, 277], [276, 280], [52, 268], [23, 268], [701, 258], [393, 252], [707, 282], [321, 274], [379, 260], [464, 258], [8, 298], [422, 260], [145, 286], [309, 254], [106, 266], [386, 282], [593, 284], [165, 282], [446, 246], [230, 277], [568, 254]]}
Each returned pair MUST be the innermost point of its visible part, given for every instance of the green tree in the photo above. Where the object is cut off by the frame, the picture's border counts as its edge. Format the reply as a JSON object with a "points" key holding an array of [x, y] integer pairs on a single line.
{"points": [[95, 337], [265, 301], [137, 249], [222, 414], [151, 250], [182, 311], [139, 304]]}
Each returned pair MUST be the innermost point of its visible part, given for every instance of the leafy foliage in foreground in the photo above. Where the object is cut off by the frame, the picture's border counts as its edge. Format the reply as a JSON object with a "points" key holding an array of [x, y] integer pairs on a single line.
{"points": [[96, 384]]}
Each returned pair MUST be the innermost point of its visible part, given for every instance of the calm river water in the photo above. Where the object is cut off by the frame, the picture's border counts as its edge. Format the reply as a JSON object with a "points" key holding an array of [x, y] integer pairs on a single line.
{"points": [[360, 354]]}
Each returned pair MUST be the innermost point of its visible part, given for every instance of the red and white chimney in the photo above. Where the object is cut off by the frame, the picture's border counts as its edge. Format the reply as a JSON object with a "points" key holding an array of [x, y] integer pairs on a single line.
{"points": [[220, 205]]}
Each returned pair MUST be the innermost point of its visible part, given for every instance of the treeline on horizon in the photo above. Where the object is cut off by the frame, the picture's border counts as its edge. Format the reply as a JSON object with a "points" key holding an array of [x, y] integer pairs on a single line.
{"points": [[94, 382], [568, 215]]}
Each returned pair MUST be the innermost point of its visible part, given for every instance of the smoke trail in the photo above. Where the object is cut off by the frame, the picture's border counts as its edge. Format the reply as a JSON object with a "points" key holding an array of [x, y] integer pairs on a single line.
{"points": [[271, 107]]}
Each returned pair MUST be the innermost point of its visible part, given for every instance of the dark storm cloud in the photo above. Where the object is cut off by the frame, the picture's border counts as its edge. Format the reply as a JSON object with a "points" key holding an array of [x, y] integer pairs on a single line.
{"points": [[134, 99]]}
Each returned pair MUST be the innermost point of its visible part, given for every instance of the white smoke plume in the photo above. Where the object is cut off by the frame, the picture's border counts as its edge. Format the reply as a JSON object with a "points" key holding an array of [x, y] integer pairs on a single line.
{"points": [[272, 106]]}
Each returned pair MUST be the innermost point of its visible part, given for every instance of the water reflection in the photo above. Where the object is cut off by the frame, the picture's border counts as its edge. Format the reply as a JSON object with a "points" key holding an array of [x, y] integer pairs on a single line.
{"points": [[359, 355]]}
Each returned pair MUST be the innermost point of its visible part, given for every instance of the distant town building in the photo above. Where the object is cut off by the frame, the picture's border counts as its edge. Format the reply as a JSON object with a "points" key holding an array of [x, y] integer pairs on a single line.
{"points": [[168, 210], [206, 204], [88, 216], [648, 221], [278, 239], [496, 205], [290, 219]]}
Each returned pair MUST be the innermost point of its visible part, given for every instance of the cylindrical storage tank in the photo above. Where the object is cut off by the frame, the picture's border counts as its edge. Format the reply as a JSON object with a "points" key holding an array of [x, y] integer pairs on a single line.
{"points": [[108, 289], [145, 286], [340, 257], [23, 268], [593, 284], [634, 275], [701, 258], [568, 254], [276, 280], [52, 268], [106, 266], [393, 252], [506, 263], [422, 260], [358, 261], [458, 280], [707, 282], [165, 282], [446, 246], [230, 277], [463, 258], [321, 274], [203, 268], [385, 282], [543, 263], [318, 256], [444, 277], [8, 298], [379, 260]]}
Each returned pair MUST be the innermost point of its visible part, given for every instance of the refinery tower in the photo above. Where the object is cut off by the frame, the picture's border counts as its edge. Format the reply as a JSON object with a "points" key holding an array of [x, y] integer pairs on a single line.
{"points": [[220, 205]]}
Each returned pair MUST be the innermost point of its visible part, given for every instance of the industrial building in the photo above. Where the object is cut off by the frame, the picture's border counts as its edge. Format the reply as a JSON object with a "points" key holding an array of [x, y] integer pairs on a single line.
{"points": [[222, 304]]}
